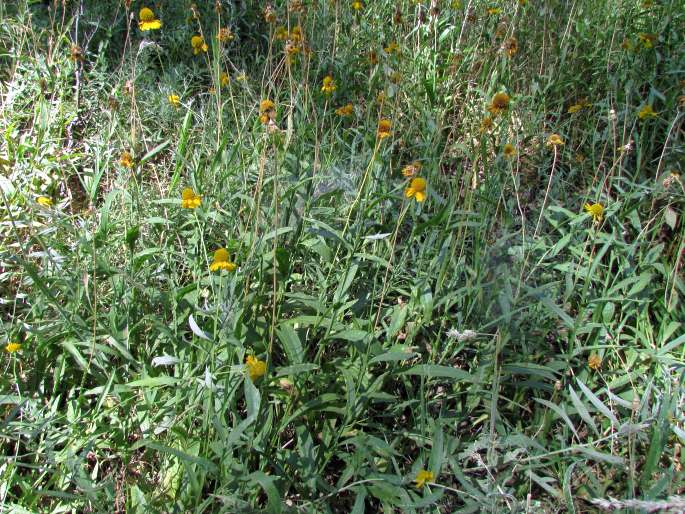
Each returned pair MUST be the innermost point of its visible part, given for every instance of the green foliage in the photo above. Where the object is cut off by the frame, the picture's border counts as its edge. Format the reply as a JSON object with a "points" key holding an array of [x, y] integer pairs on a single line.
{"points": [[496, 335]]}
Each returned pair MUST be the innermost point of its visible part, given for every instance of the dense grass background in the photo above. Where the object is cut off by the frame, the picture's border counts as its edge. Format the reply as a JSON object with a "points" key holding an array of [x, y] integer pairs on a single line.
{"points": [[453, 336]]}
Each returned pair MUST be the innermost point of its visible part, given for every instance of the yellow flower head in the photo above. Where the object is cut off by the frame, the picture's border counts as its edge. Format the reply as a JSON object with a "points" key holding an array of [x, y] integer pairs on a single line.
{"points": [[511, 46], [345, 110], [198, 44], [44, 201], [190, 200], [224, 35], [646, 112], [596, 210], [296, 34], [328, 85], [392, 48], [509, 151], [492, 11], [594, 361], [148, 20], [357, 5], [499, 103], [222, 261], [281, 33], [384, 127], [224, 79], [126, 160], [416, 189], [265, 106], [12, 347], [647, 40], [555, 140], [486, 124], [255, 367], [174, 100], [423, 477], [411, 169]]}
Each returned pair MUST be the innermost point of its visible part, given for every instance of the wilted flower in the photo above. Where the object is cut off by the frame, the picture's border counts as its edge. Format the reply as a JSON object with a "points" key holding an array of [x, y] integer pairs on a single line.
{"points": [[384, 127], [281, 33], [411, 169], [392, 47], [224, 79], [486, 124], [269, 14], [198, 44], [596, 210], [224, 35], [555, 140], [345, 110], [148, 20], [466, 335], [255, 367], [647, 40], [509, 151], [499, 103], [189, 199], [222, 261], [416, 189], [594, 362], [511, 46], [423, 477]]}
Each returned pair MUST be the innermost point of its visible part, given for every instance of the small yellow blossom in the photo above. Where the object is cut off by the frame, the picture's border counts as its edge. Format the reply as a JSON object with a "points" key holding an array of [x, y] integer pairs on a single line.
{"points": [[555, 140], [499, 103], [345, 110], [392, 47], [492, 11], [416, 189], [411, 169], [509, 151], [423, 477], [456, 4], [328, 85], [296, 34], [224, 79], [126, 160], [486, 124], [646, 112], [174, 100], [148, 20], [384, 127], [256, 368], [222, 261], [189, 199], [224, 35], [357, 5], [44, 201], [198, 44], [596, 210], [594, 362], [281, 33], [266, 106], [647, 40]]}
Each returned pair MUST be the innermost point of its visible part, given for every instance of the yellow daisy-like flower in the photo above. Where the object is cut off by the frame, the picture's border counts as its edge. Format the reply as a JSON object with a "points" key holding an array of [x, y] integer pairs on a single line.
{"points": [[328, 85], [189, 199], [224, 79], [594, 362], [499, 103], [509, 151], [281, 33], [345, 110], [224, 35], [647, 40], [555, 140], [126, 160], [266, 105], [44, 201], [256, 368], [12, 347], [646, 112], [492, 11], [296, 34], [198, 44], [222, 261], [174, 100], [384, 127], [148, 20], [392, 47], [416, 189], [423, 477], [411, 169], [357, 5], [486, 124], [596, 210]]}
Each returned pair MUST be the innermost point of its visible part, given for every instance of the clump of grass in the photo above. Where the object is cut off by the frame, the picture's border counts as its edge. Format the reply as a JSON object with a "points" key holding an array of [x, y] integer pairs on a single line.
{"points": [[341, 256]]}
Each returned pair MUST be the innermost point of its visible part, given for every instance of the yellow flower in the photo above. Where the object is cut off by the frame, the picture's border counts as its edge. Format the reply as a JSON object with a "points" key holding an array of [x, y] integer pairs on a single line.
{"points": [[148, 20], [384, 127], [392, 48], [190, 200], [594, 361], [296, 34], [174, 100], [494, 10], [509, 151], [456, 4], [647, 40], [345, 110], [224, 35], [241, 77], [44, 201], [596, 210], [416, 189], [198, 44], [422, 477], [511, 46], [222, 261], [126, 160], [224, 79], [411, 169], [357, 5], [12, 347], [486, 124], [499, 103], [255, 367], [627, 44], [281, 33], [328, 85], [646, 112], [266, 105], [381, 97], [555, 140]]}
